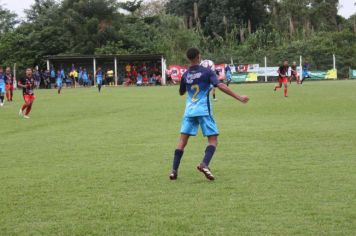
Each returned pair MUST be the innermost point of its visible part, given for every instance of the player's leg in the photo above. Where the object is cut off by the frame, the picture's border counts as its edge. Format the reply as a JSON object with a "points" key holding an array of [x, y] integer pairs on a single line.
{"points": [[189, 128], [278, 86], [7, 92], [28, 110], [99, 85], [214, 94], [178, 154], [285, 88], [211, 131], [60, 85], [11, 92], [2, 97]]}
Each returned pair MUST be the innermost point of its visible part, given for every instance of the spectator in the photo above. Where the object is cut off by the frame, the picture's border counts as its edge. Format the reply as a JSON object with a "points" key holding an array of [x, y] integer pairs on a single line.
{"points": [[52, 76], [110, 77], [158, 80], [134, 74], [128, 68], [85, 77], [37, 78], [139, 80], [73, 75], [153, 79], [80, 76], [46, 79]]}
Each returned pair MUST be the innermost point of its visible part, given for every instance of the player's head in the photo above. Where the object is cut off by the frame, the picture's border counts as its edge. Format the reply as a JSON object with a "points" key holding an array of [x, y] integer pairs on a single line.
{"points": [[29, 72], [8, 70], [294, 63], [1, 70], [193, 55], [209, 65], [285, 62]]}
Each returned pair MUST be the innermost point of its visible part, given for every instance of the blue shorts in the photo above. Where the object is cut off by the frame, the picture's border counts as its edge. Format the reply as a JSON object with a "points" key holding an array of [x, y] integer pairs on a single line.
{"points": [[2, 88], [99, 81], [59, 84], [190, 126]]}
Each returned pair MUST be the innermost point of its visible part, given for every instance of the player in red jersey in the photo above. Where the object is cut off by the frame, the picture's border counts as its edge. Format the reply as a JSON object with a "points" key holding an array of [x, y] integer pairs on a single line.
{"points": [[294, 73], [9, 84], [27, 84], [283, 78]]}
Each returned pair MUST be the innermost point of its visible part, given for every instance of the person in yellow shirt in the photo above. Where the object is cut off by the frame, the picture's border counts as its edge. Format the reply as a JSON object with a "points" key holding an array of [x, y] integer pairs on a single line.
{"points": [[110, 77], [128, 68], [74, 77]]}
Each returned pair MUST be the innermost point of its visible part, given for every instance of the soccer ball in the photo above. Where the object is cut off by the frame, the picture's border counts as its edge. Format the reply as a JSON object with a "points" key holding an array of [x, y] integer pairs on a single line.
{"points": [[208, 64]]}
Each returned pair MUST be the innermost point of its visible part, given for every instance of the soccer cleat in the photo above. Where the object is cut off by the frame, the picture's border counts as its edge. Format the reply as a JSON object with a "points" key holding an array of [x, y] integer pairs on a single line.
{"points": [[20, 112], [173, 175], [206, 171], [26, 117]]}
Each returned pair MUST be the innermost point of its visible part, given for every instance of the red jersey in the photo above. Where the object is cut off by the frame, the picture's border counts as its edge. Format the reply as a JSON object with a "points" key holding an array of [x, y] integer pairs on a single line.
{"points": [[9, 79], [294, 70], [283, 71], [29, 84]]}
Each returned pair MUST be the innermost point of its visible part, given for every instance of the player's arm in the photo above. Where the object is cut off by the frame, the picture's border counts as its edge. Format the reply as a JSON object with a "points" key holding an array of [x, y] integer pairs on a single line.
{"points": [[223, 87], [182, 87], [19, 84]]}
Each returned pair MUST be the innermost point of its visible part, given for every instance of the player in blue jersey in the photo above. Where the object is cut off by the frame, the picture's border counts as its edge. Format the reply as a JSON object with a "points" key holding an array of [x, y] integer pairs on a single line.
{"points": [[197, 83], [2, 86], [99, 78], [59, 81]]}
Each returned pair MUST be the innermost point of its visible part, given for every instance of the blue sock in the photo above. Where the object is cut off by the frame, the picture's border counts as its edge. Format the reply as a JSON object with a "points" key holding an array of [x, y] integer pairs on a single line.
{"points": [[209, 153], [178, 154]]}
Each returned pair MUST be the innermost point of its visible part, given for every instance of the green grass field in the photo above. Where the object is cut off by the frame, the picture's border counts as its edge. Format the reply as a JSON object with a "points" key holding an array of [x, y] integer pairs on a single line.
{"points": [[90, 164]]}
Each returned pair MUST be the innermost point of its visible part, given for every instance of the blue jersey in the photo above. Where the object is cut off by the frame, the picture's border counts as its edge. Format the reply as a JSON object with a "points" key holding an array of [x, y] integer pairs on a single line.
{"points": [[99, 75], [85, 76], [53, 74], [197, 82], [2, 79], [59, 78], [63, 74]]}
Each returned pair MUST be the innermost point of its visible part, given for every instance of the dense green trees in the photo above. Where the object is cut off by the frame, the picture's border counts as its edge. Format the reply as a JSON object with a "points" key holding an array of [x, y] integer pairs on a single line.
{"points": [[245, 31]]}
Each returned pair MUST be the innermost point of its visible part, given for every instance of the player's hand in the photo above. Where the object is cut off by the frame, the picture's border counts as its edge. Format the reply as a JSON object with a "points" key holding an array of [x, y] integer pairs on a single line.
{"points": [[243, 99]]}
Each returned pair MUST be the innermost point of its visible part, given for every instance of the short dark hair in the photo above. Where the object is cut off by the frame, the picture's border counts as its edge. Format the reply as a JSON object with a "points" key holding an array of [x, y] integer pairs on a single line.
{"points": [[192, 53]]}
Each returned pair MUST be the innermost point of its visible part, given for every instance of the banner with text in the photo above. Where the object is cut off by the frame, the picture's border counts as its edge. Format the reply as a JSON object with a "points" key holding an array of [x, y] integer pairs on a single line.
{"points": [[319, 75], [244, 77], [176, 71], [352, 74]]}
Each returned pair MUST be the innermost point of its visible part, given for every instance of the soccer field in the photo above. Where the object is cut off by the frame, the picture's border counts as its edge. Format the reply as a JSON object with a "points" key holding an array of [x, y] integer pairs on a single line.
{"points": [[98, 164]]}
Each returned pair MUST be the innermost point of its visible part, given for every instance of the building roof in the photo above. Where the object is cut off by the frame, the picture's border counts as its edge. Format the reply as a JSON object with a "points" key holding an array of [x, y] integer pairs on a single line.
{"points": [[132, 57]]}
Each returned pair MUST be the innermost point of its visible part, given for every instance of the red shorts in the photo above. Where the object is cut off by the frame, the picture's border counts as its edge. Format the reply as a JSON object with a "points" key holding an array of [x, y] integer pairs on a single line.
{"points": [[283, 80], [9, 87], [29, 98]]}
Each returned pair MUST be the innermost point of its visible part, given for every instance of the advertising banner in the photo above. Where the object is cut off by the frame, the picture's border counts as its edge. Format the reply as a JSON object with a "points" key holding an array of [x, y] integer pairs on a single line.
{"points": [[244, 77], [320, 75], [352, 74], [246, 68], [176, 72]]}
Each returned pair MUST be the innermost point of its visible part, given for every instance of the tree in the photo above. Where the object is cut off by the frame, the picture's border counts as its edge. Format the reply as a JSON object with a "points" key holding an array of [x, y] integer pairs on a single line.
{"points": [[8, 20]]}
